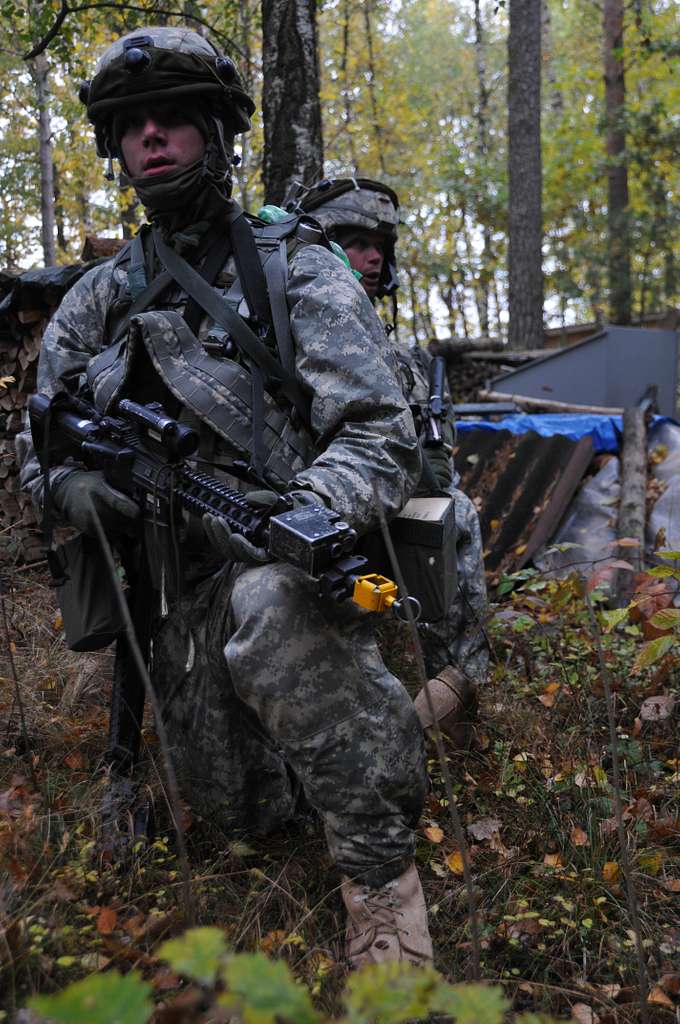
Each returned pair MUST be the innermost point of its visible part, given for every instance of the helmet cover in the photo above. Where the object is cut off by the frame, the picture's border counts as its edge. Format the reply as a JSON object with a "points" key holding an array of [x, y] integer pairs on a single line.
{"points": [[159, 65], [360, 203]]}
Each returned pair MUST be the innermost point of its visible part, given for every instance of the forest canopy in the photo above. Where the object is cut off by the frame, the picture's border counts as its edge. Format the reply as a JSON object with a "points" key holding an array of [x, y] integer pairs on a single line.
{"points": [[413, 92]]}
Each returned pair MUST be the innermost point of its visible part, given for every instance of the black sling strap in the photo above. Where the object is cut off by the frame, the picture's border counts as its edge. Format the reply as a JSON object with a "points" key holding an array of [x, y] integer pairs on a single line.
{"points": [[249, 266], [250, 345]]}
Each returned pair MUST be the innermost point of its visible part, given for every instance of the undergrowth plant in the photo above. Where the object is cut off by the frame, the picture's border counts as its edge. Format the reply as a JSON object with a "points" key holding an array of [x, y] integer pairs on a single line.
{"points": [[535, 797]]}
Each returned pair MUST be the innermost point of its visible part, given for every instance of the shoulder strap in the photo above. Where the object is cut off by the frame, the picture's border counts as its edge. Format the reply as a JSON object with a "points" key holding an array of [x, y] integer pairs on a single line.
{"points": [[248, 342], [249, 267]]}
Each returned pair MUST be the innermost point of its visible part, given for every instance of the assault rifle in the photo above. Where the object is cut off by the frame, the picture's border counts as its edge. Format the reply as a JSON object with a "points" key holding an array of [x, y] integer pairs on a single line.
{"points": [[142, 452], [436, 409]]}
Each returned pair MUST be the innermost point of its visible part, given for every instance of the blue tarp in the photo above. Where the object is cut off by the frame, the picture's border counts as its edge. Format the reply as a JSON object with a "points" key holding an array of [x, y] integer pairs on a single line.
{"points": [[605, 431]]}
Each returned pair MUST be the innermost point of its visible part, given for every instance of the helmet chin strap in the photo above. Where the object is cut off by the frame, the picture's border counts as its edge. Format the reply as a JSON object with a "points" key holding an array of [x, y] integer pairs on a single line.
{"points": [[187, 190]]}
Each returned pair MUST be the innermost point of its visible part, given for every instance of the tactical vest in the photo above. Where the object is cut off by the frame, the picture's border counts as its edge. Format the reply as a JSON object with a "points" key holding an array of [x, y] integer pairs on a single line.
{"points": [[247, 395]]}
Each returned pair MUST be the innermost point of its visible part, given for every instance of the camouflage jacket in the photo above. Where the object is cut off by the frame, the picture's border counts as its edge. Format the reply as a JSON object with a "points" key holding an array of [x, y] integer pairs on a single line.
{"points": [[361, 426]]}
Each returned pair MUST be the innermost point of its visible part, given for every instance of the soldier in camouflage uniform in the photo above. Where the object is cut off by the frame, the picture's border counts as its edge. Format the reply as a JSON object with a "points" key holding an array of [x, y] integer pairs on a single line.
{"points": [[263, 685], [363, 216]]}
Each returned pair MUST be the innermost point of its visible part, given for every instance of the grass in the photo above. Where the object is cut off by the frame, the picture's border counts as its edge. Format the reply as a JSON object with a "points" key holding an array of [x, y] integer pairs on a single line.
{"points": [[534, 795]]}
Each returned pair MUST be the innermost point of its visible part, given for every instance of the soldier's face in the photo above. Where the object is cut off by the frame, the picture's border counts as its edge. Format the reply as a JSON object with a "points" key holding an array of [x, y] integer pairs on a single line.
{"points": [[366, 253], [158, 140]]}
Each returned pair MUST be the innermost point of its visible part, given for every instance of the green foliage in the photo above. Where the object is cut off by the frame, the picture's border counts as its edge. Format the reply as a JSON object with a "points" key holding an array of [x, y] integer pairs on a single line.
{"points": [[100, 999], [653, 651], [265, 992], [470, 1004], [198, 954], [390, 993]]}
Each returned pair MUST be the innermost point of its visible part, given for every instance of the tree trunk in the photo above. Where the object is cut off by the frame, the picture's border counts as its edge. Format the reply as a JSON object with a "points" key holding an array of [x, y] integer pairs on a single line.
{"points": [[632, 503], [618, 248], [375, 117], [293, 144], [244, 169], [39, 69], [525, 228], [482, 154], [59, 214]]}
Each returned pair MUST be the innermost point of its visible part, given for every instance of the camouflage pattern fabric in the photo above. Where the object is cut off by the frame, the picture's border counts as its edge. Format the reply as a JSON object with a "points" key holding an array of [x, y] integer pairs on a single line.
{"points": [[362, 208], [253, 670], [459, 639]]}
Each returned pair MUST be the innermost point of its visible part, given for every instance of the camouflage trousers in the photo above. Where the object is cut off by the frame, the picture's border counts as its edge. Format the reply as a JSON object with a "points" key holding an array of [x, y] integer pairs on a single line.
{"points": [[459, 639], [261, 683]]}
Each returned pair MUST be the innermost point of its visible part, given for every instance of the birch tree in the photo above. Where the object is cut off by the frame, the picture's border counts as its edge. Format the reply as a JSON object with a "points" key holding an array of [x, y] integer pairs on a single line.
{"points": [[525, 221], [293, 144]]}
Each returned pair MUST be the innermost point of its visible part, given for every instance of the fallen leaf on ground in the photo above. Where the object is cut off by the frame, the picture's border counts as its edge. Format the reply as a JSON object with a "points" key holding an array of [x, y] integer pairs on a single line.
{"points": [[650, 862], [434, 833], [583, 1014], [579, 837], [611, 871], [272, 941], [659, 998], [549, 696], [107, 920], [553, 860], [75, 760], [670, 983], [672, 884], [484, 828], [454, 862], [657, 709]]}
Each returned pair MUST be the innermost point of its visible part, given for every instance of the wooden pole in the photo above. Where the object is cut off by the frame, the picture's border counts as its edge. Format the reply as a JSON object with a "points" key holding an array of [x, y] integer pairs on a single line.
{"points": [[632, 514]]}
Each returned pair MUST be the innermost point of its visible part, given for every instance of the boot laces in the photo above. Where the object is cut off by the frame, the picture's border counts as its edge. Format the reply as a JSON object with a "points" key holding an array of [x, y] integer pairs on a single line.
{"points": [[384, 899]]}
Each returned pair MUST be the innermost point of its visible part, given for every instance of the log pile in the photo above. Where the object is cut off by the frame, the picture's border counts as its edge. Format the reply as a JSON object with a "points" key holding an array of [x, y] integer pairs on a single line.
{"points": [[27, 302], [19, 350], [472, 362]]}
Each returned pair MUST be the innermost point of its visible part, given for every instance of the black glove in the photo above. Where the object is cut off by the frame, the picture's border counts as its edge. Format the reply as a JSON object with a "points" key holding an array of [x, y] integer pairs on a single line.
{"points": [[234, 548], [83, 491], [441, 465]]}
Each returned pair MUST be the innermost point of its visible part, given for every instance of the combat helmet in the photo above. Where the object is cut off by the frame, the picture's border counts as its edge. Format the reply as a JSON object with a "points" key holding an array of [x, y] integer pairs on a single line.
{"points": [[338, 203], [159, 65]]}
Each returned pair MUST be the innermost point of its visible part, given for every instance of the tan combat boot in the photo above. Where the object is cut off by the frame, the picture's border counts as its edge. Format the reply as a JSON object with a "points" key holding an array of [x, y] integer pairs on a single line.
{"points": [[454, 699], [389, 923]]}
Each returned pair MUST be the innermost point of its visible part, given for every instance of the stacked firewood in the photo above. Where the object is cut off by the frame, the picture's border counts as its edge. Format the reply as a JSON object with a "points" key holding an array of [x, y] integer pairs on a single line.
{"points": [[27, 302], [19, 350]]}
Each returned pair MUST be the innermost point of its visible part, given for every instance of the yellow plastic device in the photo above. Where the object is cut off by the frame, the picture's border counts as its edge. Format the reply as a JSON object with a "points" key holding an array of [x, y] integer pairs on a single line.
{"points": [[374, 592]]}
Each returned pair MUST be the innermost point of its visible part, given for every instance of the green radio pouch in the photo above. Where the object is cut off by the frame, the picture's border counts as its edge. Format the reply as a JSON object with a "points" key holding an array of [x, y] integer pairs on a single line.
{"points": [[87, 596]]}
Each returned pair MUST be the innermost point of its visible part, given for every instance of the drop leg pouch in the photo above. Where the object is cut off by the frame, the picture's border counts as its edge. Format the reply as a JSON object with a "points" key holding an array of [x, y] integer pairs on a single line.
{"points": [[89, 607]]}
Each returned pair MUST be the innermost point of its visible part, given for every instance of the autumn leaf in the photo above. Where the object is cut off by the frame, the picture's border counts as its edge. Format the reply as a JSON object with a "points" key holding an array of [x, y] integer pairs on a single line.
{"points": [[659, 998], [579, 837], [583, 1014], [652, 652], [553, 860], [666, 618], [485, 828], [657, 709], [272, 941], [614, 617], [650, 862], [549, 695], [107, 920], [75, 760], [611, 872], [672, 884], [454, 862], [604, 573], [670, 983], [434, 833]]}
